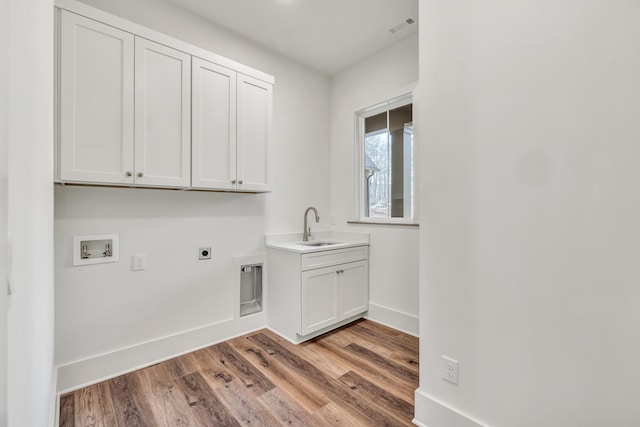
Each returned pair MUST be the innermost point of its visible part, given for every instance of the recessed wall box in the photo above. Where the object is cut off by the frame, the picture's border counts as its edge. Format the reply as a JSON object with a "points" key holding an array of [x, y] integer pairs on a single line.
{"points": [[95, 249], [250, 289]]}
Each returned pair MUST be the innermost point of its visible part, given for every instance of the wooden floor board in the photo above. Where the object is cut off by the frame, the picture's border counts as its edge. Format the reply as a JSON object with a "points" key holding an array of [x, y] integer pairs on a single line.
{"points": [[67, 411], [339, 393], [286, 409], [384, 333], [393, 404], [205, 406], [131, 405], [95, 406], [167, 403], [306, 393], [373, 373], [252, 378], [361, 374]]}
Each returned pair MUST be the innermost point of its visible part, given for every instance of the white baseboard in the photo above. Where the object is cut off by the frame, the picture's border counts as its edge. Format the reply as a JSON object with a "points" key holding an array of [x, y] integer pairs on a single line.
{"points": [[430, 412], [95, 369], [404, 322]]}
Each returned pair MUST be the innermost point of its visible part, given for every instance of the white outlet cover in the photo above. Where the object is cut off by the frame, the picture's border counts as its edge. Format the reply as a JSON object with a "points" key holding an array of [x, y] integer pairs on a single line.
{"points": [[449, 369], [139, 262]]}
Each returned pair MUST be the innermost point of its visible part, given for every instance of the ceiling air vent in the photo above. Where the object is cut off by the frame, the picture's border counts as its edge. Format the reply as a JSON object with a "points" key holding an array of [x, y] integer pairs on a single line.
{"points": [[403, 25]]}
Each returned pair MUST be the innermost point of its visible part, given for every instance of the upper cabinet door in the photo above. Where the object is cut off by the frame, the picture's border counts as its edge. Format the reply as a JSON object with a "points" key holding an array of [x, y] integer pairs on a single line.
{"points": [[213, 124], [255, 99], [162, 115], [96, 102]]}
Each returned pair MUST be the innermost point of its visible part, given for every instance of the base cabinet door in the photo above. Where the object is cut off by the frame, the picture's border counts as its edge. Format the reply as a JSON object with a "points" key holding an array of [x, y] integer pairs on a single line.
{"points": [[332, 294], [96, 102], [319, 296], [354, 288]]}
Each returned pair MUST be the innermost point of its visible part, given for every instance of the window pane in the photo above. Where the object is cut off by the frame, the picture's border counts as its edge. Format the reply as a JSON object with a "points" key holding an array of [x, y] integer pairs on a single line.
{"points": [[377, 174], [387, 147], [398, 119]]}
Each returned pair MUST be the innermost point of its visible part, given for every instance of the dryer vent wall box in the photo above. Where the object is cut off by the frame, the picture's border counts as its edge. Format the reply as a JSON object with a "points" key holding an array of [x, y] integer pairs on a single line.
{"points": [[250, 289], [96, 249]]}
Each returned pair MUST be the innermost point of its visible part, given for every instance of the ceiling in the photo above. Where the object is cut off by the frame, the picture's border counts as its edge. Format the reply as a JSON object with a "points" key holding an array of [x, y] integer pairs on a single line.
{"points": [[328, 35]]}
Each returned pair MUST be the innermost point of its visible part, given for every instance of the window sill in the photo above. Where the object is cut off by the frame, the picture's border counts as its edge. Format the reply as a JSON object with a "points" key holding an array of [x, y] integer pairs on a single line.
{"points": [[375, 222]]}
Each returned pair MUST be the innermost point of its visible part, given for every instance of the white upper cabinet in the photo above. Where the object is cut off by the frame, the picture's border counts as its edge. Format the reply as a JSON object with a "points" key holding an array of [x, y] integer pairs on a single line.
{"points": [[255, 99], [213, 147], [96, 130], [231, 129], [162, 115], [136, 107]]}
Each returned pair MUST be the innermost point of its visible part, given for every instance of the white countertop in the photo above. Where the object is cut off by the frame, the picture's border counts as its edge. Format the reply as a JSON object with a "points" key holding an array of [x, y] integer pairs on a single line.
{"points": [[292, 242]]}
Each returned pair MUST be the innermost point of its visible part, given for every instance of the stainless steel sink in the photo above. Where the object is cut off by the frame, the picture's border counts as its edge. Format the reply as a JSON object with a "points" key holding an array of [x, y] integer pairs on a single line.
{"points": [[318, 243]]}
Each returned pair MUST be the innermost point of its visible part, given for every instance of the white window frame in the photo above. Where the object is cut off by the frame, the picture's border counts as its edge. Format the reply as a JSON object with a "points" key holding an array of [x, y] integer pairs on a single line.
{"points": [[360, 116]]}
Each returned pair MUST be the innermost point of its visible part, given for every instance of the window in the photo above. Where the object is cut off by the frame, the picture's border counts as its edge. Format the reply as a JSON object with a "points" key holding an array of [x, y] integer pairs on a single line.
{"points": [[385, 177]]}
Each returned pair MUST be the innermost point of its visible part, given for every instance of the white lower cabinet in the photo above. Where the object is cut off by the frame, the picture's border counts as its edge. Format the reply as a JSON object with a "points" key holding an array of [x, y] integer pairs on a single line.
{"points": [[332, 294], [312, 293]]}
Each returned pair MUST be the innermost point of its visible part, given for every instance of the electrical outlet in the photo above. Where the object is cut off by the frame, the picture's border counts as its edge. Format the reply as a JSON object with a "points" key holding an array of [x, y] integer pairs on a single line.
{"points": [[449, 369], [139, 262], [204, 253]]}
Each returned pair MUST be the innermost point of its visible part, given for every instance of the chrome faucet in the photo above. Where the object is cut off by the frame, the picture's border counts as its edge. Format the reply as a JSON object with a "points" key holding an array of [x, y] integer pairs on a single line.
{"points": [[306, 233]]}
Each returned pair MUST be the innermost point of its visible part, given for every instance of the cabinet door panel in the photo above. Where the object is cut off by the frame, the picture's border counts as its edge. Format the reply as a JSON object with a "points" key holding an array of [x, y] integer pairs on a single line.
{"points": [[213, 156], [255, 100], [96, 101], [354, 288], [319, 299], [163, 113]]}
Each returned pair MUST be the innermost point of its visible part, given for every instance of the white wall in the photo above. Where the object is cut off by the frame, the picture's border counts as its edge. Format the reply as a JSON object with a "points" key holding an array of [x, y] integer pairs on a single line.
{"points": [[30, 213], [105, 308], [394, 249], [4, 172], [530, 207]]}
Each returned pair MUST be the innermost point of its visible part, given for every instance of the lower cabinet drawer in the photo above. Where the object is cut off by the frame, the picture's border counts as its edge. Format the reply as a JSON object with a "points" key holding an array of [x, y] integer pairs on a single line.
{"points": [[333, 257]]}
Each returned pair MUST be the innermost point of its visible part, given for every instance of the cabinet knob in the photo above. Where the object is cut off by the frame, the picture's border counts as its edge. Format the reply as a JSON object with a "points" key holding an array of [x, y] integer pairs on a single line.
{"points": [[140, 174], [233, 181], [128, 173], [240, 182]]}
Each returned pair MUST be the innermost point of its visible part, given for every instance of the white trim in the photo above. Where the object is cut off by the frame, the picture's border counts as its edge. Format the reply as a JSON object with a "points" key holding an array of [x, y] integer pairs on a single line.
{"points": [[92, 370], [299, 339], [389, 104], [388, 221], [141, 31], [430, 412], [54, 405], [403, 322]]}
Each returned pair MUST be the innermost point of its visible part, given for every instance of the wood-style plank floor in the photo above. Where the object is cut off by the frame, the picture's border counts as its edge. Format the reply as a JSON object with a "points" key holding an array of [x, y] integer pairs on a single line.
{"points": [[363, 374]]}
